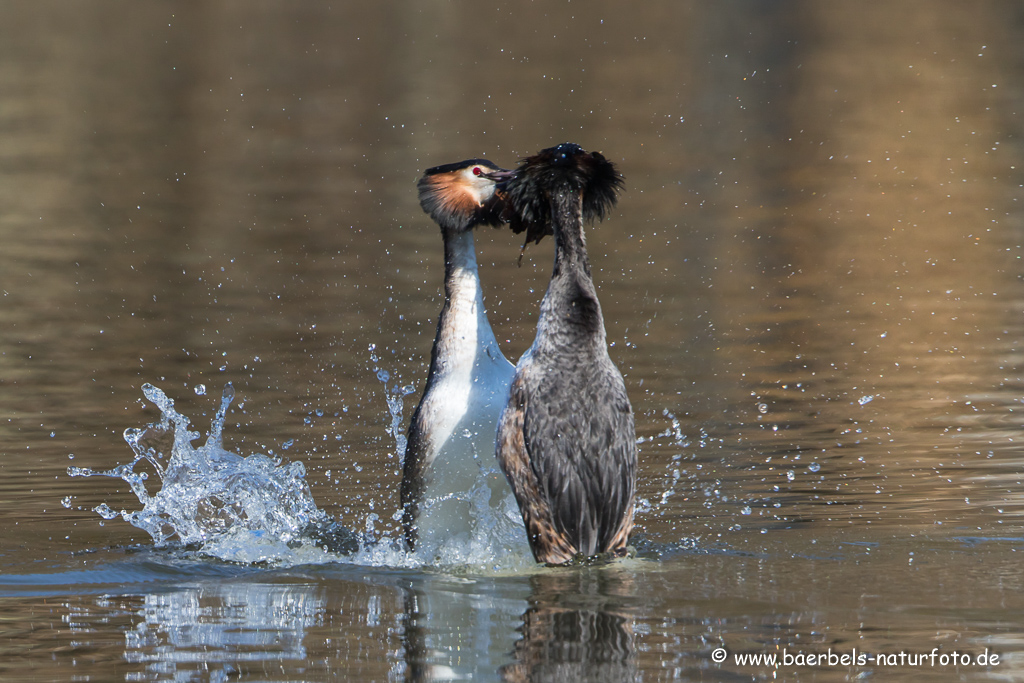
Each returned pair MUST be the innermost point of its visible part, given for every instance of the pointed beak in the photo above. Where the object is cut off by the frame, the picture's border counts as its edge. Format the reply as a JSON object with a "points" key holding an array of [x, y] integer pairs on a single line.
{"points": [[500, 176]]}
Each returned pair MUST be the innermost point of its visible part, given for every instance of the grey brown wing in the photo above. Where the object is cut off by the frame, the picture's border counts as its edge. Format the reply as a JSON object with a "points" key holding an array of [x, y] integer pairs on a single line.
{"points": [[582, 450], [617, 468], [515, 461]]}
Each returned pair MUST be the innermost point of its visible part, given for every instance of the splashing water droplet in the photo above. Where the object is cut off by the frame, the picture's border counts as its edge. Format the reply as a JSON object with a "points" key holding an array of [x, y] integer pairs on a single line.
{"points": [[394, 401], [258, 509], [104, 511], [207, 492]]}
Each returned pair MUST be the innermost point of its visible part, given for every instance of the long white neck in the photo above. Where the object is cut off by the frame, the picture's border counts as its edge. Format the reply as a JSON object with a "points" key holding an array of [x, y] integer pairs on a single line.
{"points": [[463, 328], [457, 417]]}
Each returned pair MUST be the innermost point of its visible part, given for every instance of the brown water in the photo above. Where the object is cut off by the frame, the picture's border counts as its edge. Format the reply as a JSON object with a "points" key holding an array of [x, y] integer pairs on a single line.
{"points": [[813, 285]]}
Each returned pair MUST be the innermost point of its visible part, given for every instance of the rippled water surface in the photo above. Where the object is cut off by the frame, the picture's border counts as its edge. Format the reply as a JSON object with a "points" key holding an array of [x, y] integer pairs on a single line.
{"points": [[813, 286]]}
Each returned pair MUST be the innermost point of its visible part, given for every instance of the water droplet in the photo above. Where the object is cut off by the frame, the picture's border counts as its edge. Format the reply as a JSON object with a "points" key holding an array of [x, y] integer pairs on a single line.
{"points": [[200, 390], [790, 475], [865, 399], [814, 467], [104, 511], [762, 408]]}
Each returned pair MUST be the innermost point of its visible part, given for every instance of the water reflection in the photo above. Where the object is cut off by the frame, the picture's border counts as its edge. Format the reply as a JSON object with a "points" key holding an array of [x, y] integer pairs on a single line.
{"points": [[318, 620], [624, 621], [215, 629], [266, 627], [558, 625], [458, 628], [578, 627]]}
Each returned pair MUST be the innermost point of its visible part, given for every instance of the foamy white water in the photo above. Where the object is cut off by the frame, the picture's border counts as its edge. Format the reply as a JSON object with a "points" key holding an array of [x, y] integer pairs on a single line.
{"points": [[260, 509]]}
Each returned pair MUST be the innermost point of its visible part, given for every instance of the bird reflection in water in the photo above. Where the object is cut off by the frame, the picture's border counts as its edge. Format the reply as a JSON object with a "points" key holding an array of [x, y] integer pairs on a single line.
{"points": [[578, 628]]}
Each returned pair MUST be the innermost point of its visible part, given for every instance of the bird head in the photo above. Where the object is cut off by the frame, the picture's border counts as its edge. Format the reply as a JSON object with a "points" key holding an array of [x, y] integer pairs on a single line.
{"points": [[564, 169], [465, 194]]}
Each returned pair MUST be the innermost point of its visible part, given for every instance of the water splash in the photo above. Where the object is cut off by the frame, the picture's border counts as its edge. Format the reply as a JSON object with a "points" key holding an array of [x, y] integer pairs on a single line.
{"points": [[258, 509], [672, 436], [237, 508], [394, 401]]}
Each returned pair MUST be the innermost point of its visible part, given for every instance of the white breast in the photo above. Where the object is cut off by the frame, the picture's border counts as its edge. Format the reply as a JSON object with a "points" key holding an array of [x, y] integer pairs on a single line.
{"points": [[465, 494]]}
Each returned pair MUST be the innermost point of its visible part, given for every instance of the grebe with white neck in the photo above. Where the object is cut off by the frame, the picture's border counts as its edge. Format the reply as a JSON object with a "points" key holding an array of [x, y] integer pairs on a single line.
{"points": [[450, 478], [566, 439]]}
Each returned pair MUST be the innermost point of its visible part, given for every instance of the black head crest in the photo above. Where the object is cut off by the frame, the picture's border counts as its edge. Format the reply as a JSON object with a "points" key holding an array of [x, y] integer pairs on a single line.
{"points": [[565, 168]]}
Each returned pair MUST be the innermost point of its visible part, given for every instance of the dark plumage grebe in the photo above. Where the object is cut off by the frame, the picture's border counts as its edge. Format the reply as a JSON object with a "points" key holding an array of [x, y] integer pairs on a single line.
{"points": [[566, 439], [451, 435]]}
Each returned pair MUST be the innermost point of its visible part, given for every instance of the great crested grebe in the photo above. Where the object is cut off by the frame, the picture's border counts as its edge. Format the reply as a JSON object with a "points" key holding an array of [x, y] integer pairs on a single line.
{"points": [[566, 439], [451, 435]]}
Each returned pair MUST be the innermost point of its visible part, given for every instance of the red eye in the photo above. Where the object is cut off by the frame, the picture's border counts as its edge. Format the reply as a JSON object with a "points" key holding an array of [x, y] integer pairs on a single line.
{"points": [[477, 170]]}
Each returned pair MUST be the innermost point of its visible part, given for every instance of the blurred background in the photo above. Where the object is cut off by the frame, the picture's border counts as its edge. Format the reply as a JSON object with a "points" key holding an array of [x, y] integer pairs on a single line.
{"points": [[813, 282]]}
